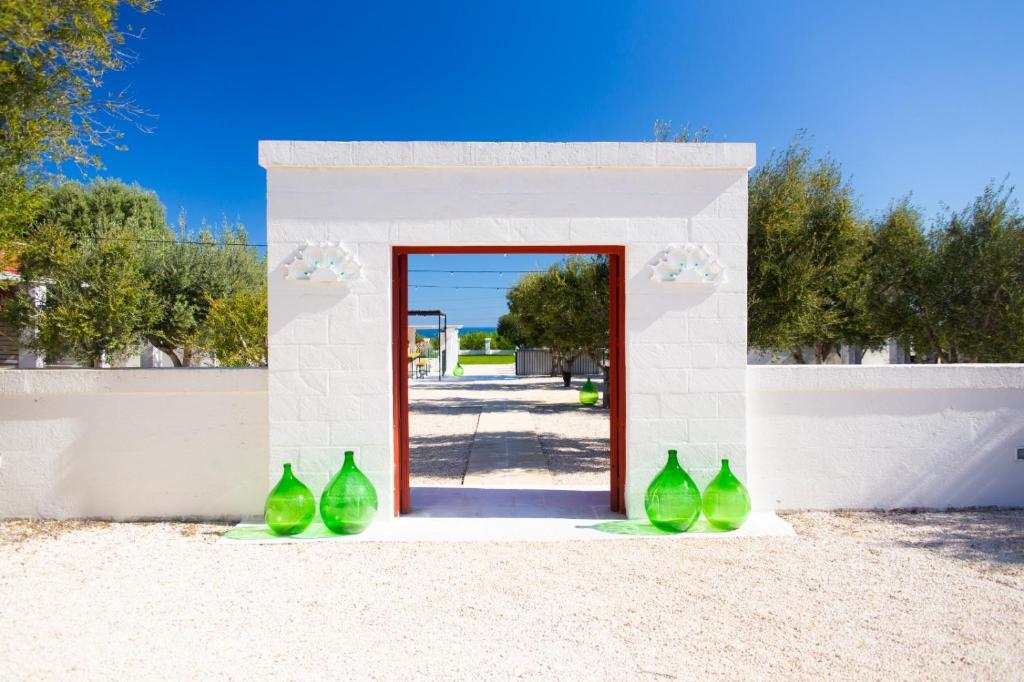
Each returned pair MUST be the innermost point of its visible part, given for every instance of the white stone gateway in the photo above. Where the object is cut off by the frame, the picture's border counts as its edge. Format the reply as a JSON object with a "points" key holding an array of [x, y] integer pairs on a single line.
{"points": [[331, 380]]}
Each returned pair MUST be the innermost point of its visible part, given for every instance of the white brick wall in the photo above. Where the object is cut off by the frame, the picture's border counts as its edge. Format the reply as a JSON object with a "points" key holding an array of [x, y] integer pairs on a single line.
{"points": [[330, 385], [170, 443]]}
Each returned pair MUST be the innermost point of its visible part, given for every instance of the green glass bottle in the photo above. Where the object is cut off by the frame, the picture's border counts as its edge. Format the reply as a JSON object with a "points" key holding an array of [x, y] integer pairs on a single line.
{"points": [[673, 499], [290, 505], [458, 371], [588, 394], [726, 501], [349, 500]]}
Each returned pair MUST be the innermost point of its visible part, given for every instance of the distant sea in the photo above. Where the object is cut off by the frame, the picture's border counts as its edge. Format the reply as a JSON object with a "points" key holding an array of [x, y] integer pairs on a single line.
{"points": [[462, 332]]}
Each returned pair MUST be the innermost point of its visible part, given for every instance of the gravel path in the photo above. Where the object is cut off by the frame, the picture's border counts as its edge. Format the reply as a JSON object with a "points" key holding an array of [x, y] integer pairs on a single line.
{"points": [[866, 596], [443, 417]]}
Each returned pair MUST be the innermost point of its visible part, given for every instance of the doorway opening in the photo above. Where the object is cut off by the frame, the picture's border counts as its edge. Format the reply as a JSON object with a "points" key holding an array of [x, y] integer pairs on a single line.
{"points": [[485, 400]]}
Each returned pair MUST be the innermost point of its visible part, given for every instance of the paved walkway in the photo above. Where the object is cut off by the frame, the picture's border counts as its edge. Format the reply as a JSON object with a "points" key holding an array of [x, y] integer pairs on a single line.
{"points": [[506, 453]]}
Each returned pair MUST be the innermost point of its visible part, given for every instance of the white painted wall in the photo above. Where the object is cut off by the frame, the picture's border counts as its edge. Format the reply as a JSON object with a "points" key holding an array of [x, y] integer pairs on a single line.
{"points": [[126, 444], [177, 443], [885, 437], [330, 372]]}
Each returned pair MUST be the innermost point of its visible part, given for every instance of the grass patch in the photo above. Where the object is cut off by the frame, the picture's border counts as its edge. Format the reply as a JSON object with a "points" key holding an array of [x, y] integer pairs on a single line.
{"points": [[487, 359]]}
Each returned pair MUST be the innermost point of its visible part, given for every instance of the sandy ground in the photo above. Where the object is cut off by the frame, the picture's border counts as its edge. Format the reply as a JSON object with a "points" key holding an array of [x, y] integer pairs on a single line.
{"points": [[854, 596], [443, 417]]}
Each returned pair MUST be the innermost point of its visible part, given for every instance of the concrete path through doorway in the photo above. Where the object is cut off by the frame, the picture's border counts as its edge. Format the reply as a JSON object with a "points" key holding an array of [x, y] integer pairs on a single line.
{"points": [[506, 453]]}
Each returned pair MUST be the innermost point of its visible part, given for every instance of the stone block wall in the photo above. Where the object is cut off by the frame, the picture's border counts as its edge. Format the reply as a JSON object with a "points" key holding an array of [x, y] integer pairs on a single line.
{"points": [[330, 380]]}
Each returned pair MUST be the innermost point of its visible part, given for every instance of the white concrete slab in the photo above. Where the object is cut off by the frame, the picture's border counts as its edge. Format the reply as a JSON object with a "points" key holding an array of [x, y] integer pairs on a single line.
{"points": [[480, 515]]}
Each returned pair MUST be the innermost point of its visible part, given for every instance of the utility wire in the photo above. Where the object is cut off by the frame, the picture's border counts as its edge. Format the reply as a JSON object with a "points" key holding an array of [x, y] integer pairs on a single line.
{"points": [[496, 272], [453, 286]]}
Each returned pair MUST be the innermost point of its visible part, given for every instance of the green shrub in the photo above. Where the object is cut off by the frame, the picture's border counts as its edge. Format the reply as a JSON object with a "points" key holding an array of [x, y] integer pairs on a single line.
{"points": [[475, 341]]}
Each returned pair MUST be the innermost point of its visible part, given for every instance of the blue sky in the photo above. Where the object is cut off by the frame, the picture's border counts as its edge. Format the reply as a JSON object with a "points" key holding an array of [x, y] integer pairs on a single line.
{"points": [[908, 96]]}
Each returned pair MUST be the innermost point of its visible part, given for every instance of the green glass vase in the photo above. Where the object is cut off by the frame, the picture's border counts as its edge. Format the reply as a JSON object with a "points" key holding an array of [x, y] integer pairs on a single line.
{"points": [[673, 499], [349, 500], [588, 394], [290, 505], [726, 501], [458, 371]]}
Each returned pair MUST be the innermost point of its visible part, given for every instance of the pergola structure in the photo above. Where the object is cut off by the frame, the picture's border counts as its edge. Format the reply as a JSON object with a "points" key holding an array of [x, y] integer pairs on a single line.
{"points": [[442, 333]]}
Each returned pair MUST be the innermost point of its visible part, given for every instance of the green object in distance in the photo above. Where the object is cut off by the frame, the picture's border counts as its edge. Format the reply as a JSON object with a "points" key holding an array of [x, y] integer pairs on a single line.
{"points": [[588, 394], [673, 499], [349, 501], [726, 501], [290, 505], [458, 371]]}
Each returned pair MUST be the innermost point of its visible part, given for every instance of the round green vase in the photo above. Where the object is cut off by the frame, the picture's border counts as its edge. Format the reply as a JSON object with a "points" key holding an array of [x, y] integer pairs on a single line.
{"points": [[726, 501], [290, 505], [349, 501], [673, 499], [588, 394], [458, 371]]}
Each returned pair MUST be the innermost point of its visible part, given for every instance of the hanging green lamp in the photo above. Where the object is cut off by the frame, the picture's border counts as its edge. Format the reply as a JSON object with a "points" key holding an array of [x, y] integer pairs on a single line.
{"points": [[588, 394], [673, 499], [726, 501], [349, 501], [290, 505], [458, 371]]}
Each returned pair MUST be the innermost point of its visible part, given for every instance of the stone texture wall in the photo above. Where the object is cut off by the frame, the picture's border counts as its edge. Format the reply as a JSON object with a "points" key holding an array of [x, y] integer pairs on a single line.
{"points": [[330, 372]]}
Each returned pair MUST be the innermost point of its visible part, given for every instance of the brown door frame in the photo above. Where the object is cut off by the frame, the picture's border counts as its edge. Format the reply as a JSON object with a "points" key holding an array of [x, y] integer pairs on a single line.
{"points": [[616, 355]]}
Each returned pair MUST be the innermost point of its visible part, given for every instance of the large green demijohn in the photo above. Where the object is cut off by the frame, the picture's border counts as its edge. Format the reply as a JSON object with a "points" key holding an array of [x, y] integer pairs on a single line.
{"points": [[588, 394], [349, 501], [458, 371], [673, 499], [290, 505], [726, 501]]}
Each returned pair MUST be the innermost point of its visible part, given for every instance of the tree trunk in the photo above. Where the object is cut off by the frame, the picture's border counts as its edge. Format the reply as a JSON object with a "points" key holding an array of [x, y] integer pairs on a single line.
{"points": [[172, 353], [798, 356], [567, 367], [606, 400]]}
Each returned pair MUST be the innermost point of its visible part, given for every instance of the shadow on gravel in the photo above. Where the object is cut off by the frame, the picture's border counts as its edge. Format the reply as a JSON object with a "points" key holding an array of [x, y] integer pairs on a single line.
{"points": [[439, 456], [982, 535]]}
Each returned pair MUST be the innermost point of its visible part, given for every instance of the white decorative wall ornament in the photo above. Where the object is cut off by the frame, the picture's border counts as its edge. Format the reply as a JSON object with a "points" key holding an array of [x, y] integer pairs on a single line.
{"points": [[687, 264], [322, 262]]}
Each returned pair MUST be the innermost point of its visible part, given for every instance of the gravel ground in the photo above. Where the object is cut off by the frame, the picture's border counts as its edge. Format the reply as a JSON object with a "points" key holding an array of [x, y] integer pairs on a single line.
{"points": [[866, 596], [443, 418]]}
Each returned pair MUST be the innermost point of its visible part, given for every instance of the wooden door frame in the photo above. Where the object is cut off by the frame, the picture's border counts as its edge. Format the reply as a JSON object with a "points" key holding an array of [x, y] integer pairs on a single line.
{"points": [[616, 355]]}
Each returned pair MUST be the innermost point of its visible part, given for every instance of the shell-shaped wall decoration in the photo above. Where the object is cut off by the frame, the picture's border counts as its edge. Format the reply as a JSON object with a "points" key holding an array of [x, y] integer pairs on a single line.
{"points": [[322, 262], [687, 264]]}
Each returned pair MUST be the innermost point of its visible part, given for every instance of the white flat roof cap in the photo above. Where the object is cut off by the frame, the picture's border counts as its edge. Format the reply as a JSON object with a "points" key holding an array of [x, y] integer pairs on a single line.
{"points": [[698, 155]]}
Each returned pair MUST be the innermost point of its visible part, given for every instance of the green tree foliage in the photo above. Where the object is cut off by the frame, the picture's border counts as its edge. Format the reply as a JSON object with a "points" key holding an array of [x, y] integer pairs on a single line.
{"points": [[475, 341], [807, 267], [236, 328], [663, 133], [162, 292], [954, 293], [53, 57], [187, 274], [564, 309], [94, 303]]}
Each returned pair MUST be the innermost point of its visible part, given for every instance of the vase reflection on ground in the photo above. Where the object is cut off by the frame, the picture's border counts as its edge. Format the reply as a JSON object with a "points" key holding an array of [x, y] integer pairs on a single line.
{"points": [[726, 501], [349, 502], [673, 499], [290, 505]]}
